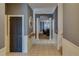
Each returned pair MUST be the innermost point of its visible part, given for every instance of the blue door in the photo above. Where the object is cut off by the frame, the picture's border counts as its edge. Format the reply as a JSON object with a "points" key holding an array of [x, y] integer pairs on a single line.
{"points": [[15, 34]]}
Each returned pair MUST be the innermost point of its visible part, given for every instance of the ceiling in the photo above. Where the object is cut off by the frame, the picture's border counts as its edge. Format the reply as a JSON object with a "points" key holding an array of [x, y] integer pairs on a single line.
{"points": [[43, 7]]}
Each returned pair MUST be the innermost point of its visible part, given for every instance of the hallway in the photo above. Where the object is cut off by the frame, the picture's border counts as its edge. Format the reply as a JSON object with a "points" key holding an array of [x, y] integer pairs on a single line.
{"points": [[43, 37], [31, 44], [43, 50]]}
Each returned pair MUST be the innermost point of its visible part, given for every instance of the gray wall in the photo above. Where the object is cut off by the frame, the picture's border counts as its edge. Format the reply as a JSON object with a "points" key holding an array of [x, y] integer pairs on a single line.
{"points": [[71, 22], [30, 13], [19, 9], [2, 17], [56, 20]]}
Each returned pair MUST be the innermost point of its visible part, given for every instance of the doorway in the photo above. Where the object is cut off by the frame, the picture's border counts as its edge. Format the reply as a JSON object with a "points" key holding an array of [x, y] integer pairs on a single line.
{"points": [[44, 29], [44, 26], [15, 32]]}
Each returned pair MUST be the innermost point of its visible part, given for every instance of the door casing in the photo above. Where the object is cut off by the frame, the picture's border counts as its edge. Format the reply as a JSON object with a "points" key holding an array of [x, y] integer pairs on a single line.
{"points": [[7, 43]]}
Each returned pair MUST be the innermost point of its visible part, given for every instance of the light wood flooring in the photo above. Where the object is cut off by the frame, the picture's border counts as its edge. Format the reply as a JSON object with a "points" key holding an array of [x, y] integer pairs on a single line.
{"points": [[39, 50], [43, 50], [43, 36]]}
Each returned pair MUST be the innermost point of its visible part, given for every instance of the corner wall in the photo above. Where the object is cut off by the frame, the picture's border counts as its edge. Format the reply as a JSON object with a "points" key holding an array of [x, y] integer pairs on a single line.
{"points": [[2, 29]]}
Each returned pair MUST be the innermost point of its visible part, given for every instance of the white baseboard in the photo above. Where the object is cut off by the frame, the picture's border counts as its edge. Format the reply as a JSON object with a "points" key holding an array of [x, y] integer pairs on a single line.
{"points": [[3, 52], [25, 44], [69, 49]]}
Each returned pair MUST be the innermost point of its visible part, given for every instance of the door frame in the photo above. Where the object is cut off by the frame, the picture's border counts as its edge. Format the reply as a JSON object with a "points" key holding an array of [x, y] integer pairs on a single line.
{"points": [[8, 30]]}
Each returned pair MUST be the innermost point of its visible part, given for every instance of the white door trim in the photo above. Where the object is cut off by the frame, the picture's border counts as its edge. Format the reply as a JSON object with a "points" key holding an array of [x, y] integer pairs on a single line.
{"points": [[37, 28], [6, 34], [60, 25], [8, 29], [50, 28]]}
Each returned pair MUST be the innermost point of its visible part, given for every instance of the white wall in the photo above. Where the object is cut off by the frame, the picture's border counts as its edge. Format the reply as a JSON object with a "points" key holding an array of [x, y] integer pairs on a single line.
{"points": [[60, 25]]}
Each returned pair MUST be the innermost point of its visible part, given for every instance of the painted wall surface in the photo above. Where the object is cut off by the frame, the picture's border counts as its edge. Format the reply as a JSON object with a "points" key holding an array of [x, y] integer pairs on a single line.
{"points": [[20, 9], [71, 22], [2, 18], [56, 20], [30, 14]]}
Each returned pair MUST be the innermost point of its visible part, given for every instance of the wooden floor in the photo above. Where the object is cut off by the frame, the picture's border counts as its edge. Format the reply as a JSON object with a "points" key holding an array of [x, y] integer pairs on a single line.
{"points": [[39, 50], [43, 36], [43, 50], [16, 54]]}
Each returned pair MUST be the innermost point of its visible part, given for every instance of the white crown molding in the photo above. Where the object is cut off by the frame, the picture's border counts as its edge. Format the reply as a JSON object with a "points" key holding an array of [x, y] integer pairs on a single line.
{"points": [[44, 10]]}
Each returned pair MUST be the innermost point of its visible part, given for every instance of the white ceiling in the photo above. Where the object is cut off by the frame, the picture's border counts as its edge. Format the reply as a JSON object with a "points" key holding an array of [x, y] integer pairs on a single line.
{"points": [[43, 7]]}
